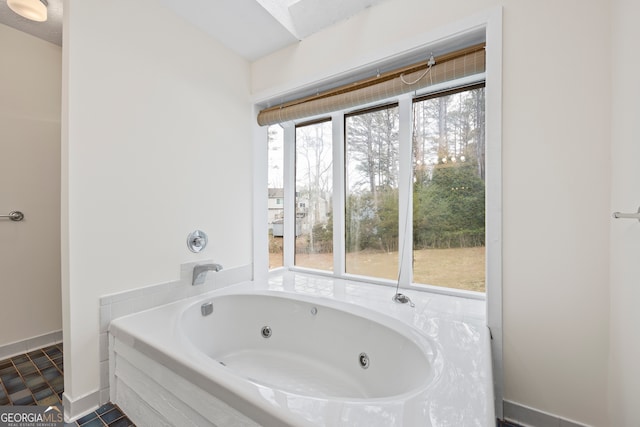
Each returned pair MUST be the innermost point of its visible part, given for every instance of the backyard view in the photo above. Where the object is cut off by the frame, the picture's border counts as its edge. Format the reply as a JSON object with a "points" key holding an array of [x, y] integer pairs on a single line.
{"points": [[448, 209], [458, 268]]}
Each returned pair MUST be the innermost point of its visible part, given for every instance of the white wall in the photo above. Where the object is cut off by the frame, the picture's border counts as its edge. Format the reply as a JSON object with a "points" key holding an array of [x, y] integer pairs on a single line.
{"points": [[30, 78], [556, 179], [156, 143], [625, 233]]}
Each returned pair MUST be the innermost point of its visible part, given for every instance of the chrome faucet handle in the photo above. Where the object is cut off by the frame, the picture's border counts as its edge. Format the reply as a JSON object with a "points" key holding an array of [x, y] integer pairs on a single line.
{"points": [[200, 272], [197, 241]]}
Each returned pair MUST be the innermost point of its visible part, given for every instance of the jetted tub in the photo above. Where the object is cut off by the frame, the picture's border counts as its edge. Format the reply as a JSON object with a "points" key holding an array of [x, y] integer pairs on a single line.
{"points": [[302, 350]]}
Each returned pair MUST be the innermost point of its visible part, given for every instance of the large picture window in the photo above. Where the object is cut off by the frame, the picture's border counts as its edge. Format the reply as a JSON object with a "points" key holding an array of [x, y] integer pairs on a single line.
{"points": [[314, 181], [449, 190], [447, 203], [409, 180], [371, 186], [275, 189]]}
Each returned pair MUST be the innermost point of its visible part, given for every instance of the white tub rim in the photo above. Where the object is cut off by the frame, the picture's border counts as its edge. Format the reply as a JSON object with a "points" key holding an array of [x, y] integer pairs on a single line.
{"points": [[265, 412]]}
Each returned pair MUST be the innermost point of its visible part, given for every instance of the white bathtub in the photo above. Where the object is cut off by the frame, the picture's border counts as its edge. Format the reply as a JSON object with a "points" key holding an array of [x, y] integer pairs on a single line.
{"points": [[302, 350]]}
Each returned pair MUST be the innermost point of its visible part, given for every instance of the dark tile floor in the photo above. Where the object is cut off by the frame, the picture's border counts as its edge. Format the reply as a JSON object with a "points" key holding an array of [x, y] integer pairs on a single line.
{"points": [[106, 415], [34, 378], [37, 378]]}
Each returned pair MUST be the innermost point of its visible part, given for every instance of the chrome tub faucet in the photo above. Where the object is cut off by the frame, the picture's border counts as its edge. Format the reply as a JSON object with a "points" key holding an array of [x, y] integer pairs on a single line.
{"points": [[200, 272]]}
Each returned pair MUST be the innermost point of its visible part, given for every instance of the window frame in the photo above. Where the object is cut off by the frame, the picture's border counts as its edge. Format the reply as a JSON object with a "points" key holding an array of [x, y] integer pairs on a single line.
{"points": [[405, 187]]}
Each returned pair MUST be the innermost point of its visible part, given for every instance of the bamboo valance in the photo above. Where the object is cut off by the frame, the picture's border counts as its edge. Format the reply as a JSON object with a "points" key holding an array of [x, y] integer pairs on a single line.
{"points": [[447, 67]]}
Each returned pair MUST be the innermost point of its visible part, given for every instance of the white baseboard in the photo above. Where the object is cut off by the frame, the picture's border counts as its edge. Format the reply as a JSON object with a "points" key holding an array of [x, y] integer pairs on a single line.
{"points": [[530, 417], [29, 344], [81, 406]]}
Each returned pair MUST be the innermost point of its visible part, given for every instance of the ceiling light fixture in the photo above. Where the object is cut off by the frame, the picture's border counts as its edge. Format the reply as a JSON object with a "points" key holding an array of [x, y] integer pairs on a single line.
{"points": [[35, 10]]}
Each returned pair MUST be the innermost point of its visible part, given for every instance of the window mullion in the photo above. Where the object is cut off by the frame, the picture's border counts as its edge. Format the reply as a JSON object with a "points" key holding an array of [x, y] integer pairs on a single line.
{"points": [[338, 194], [405, 192]]}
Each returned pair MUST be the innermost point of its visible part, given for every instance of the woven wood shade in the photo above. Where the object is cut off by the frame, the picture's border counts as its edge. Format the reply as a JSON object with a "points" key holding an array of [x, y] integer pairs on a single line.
{"points": [[448, 67]]}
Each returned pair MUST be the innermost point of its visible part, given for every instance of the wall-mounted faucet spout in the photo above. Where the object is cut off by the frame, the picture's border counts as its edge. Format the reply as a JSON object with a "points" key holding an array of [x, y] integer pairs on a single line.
{"points": [[200, 272]]}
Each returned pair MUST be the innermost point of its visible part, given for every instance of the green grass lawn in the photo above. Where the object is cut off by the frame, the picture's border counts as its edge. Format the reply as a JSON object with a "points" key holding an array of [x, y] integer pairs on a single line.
{"points": [[459, 268]]}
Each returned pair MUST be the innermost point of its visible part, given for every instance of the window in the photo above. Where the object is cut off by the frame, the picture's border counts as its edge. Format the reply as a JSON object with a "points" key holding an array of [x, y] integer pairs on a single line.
{"points": [[449, 190], [407, 178], [275, 169], [314, 194], [371, 186]]}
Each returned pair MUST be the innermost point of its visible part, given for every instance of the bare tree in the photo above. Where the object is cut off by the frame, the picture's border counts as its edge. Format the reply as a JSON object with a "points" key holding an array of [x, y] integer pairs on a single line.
{"points": [[313, 172]]}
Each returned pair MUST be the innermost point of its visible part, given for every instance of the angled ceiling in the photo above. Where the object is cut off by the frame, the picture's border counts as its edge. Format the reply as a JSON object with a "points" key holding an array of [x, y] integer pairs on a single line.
{"points": [[244, 26], [255, 28], [251, 28]]}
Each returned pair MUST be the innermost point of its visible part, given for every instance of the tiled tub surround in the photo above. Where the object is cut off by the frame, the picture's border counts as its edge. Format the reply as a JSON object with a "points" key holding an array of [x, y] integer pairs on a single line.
{"points": [[124, 303], [160, 376]]}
